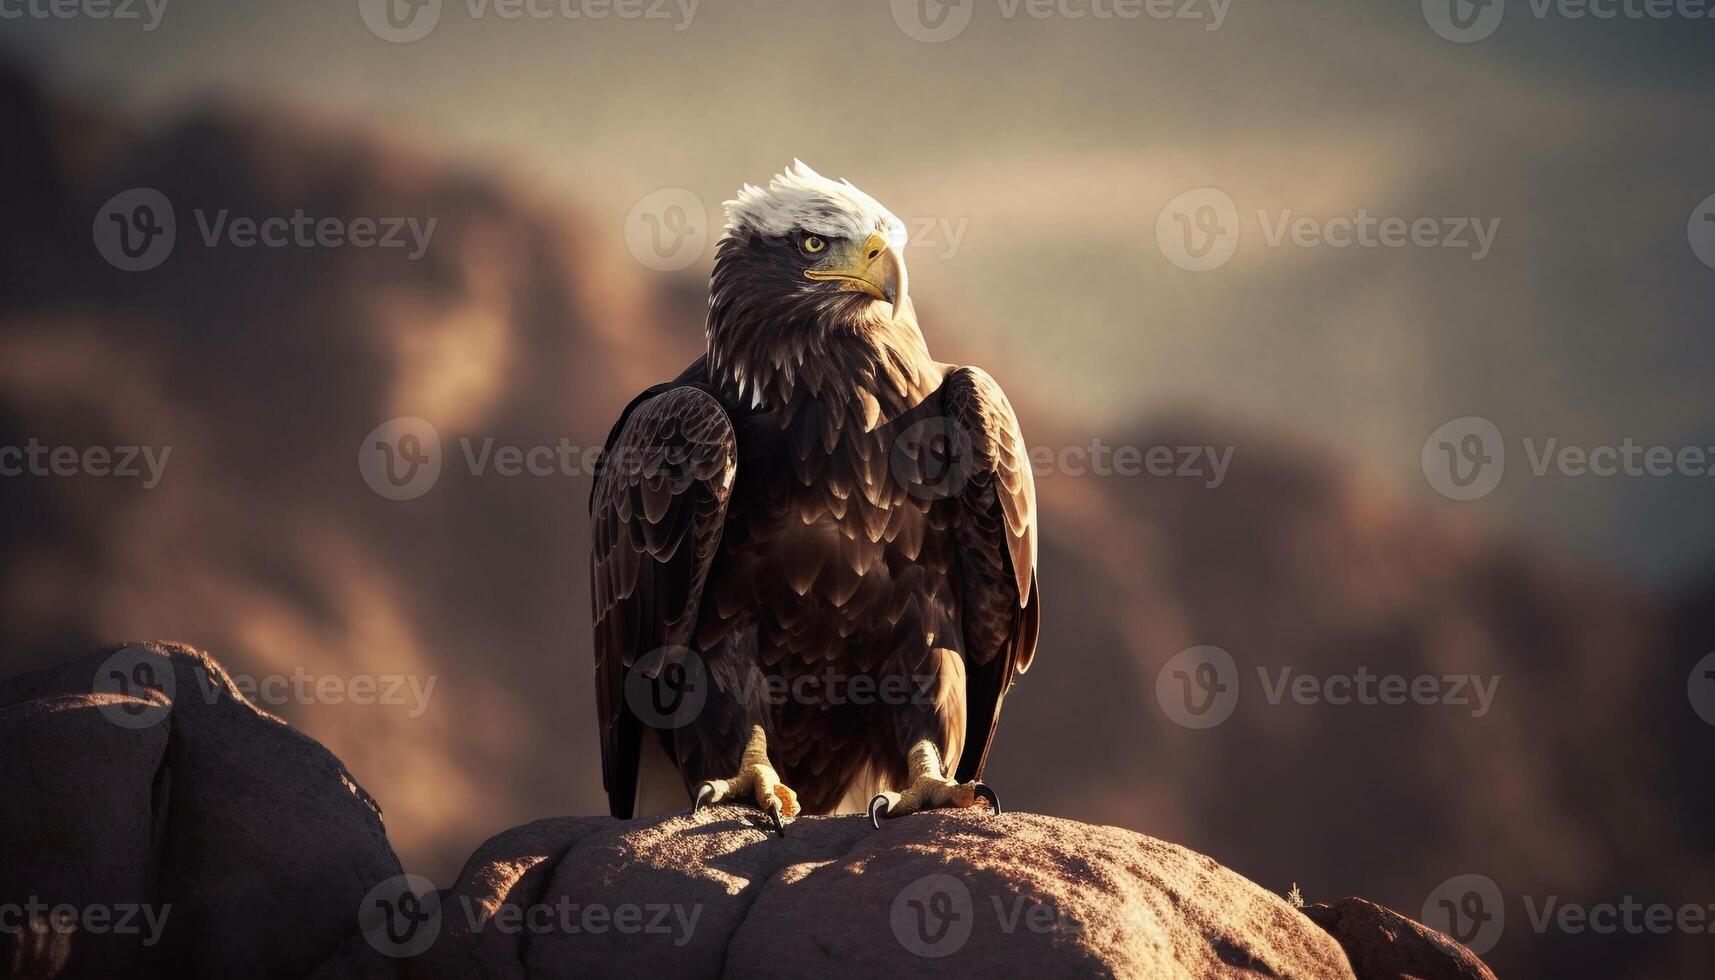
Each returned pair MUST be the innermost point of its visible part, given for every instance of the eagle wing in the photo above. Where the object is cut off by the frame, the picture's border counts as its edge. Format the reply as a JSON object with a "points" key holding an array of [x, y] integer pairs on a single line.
{"points": [[995, 529], [997, 556], [656, 513]]}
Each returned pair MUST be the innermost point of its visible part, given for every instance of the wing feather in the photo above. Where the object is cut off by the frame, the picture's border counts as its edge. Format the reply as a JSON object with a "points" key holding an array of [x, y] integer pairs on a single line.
{"points": [[997, 553], [657, 512]]}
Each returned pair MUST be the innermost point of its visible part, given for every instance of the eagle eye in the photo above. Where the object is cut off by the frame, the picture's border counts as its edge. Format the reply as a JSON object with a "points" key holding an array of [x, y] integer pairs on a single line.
{"points": [[813, 244]]}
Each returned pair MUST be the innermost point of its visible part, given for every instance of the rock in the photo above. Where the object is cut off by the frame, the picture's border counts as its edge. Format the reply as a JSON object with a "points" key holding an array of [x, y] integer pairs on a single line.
{"points": [[1384, 945], [138, 779], [187, 832], [715, 895]]}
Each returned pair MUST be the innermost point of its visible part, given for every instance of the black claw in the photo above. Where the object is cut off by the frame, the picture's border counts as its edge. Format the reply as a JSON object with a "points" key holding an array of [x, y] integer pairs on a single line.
{"points": [[878, 811], [985, 793], [774, 820], [704, 792]]}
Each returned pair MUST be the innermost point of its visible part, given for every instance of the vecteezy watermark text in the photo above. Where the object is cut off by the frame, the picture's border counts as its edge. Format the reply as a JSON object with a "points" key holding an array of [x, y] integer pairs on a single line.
{"points": [[404, 21], [1199, 230], [668, 230], [935, 21], [668, 687], [120, 919], [1472, 909], [403, 915], [1208, 464], [137, 230], [138, 686], [299, 686], [674, 921], [149, 12], [1465, 458], [1465, 21], [147, 463], [1199, 688], [403, 457]]}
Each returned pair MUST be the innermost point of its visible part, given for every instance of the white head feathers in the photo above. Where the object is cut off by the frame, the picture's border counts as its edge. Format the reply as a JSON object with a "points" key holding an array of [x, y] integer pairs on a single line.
{"points": [[801, 198]]}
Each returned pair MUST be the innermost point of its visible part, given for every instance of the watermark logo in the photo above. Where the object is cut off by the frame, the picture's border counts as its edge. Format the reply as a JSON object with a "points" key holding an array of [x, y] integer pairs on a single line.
{"points": [[1700, 231], [1199, 230], [409, 691], [1464, 21], [403, 458], [1367, 688], [123, 919], [1199, 687], [145, 463], [1206, 464], [138, 683], [1469, 908], [932, 458], [933, 916], [149, 12], [674, 922], [667, 687], [1465, 458], [668, 230], [1700, 688], [404, 21], [135, 230], [137, 688], [933, 21], [400, 21], [400, 459], [401, 917]]}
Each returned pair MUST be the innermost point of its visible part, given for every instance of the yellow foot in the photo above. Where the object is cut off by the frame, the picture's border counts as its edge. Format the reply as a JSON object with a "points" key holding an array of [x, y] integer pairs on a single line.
{"points": [[930, 789], [757, 782]]}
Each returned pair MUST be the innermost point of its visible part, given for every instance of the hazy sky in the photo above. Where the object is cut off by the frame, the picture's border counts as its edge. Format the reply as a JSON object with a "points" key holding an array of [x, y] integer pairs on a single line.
{"points": [[1033, 157]]}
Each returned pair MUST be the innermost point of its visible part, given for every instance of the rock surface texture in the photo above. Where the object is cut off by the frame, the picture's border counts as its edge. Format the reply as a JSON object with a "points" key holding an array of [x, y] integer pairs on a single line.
{"points": [[139, 779], [187, 832], [1380, 942]]}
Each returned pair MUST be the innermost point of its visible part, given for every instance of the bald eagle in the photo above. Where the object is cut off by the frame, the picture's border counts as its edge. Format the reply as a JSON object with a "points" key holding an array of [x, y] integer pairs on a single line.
{"points": [[813, 563]]}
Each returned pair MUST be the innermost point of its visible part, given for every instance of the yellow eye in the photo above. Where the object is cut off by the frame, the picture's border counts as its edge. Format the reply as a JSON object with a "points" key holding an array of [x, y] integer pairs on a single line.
{"points": [[812, 244]]}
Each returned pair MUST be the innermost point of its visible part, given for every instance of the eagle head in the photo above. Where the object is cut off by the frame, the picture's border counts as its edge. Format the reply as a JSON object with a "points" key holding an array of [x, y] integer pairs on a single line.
{"points": [[814, 243], [804, 261]]}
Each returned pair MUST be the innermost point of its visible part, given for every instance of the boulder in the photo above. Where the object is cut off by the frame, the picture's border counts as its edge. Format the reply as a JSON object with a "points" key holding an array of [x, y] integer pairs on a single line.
{"points": [[155, 823], [716, 894], [1384, 945]]}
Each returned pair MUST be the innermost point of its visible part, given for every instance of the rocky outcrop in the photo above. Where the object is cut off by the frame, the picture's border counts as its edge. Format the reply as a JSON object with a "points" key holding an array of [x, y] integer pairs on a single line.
{"points": [[155, 823], [716, 894], [143, 787]]}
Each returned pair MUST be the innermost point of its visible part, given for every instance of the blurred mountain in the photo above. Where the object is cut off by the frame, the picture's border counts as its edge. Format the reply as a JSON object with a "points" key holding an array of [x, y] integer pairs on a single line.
{"points": [[266, 369]]}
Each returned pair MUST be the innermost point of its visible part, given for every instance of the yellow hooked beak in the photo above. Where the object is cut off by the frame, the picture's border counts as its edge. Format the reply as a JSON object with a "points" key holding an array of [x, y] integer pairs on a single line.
{"points": [[871, 266]]}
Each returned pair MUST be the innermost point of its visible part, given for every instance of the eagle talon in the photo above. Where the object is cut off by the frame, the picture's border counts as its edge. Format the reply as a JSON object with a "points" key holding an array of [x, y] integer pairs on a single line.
{"points": [[879, 810], [756, 783], [983, 792]]}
